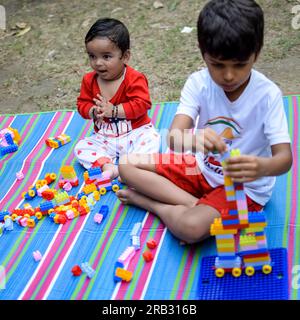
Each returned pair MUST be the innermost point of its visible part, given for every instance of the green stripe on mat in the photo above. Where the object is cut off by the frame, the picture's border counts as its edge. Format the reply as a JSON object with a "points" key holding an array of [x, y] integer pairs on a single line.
{"points": [[141, 262], [192, 275], [179, 273]]}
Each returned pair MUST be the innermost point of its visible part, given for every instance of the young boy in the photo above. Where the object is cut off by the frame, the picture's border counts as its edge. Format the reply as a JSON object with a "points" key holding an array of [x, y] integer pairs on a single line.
{"points": [[230, 105], [116, 97]]}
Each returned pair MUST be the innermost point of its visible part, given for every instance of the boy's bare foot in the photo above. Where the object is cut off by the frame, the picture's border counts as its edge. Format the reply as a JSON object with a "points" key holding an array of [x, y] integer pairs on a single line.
{"points": [[130, 196]]}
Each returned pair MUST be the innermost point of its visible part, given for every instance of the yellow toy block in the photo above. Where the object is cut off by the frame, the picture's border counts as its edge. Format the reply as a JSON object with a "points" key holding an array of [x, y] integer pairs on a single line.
{"points": [[125, 275]]}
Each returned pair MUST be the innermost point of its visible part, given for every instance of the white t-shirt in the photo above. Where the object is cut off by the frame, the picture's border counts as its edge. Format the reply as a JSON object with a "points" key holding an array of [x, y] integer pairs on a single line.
{"points": [[252, 123]]}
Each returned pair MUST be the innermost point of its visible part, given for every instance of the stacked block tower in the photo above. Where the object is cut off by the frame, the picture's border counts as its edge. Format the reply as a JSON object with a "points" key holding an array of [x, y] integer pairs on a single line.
{"points": [[240, 235]]}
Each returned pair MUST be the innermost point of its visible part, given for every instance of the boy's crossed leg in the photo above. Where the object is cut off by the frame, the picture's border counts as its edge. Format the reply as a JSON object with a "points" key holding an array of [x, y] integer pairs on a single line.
{"points": [[155, 193]]}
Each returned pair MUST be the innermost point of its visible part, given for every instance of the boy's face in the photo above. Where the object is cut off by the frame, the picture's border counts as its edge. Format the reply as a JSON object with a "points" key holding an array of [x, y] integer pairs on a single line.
{"points": [[106, 58], [231, 75]]}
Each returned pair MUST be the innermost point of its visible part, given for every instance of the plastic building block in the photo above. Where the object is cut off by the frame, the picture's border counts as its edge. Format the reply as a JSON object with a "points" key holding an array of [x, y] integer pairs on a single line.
{"points": [[103, 212], [136, 242], [20, 175], [127, 255], [137, 229], [87, 269], [67, 186], [37, 256], [48, 194], [125, 275], [45, 206], [151, 244], [3, 214], [58, 141], [148, 256], [69, 178], [9, 140], [32, 221], [259, 286], [76, 270], [8, 223], [50, 177]]}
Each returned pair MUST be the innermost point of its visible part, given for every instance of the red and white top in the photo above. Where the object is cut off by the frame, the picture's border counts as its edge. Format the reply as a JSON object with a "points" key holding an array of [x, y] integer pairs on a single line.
{"points": [[133, 94]]}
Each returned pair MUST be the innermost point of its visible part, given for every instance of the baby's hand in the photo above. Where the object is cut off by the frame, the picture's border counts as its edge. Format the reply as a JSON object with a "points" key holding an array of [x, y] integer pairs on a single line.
{"points": [[106, 107], [97, 113], [244, 168]]}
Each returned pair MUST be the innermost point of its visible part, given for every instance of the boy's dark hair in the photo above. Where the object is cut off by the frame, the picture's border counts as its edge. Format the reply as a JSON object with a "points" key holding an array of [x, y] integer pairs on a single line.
{"points": [[231, 29], [112, 29]]}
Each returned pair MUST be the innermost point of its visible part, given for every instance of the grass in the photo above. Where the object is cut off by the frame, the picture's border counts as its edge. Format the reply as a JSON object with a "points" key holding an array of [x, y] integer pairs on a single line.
{"points": [[32, 80]]}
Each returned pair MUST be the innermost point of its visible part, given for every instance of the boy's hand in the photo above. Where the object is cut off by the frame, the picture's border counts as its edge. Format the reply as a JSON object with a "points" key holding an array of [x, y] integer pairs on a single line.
{"points": [[244, 168], [211, 141]]}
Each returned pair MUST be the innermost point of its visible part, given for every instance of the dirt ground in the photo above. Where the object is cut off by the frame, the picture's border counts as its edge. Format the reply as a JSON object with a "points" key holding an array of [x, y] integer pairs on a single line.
{"points": [[42, 53]]}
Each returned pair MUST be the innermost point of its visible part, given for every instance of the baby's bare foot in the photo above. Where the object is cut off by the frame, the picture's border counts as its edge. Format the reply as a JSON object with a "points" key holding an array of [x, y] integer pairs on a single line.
{"points": [[111, 171]]}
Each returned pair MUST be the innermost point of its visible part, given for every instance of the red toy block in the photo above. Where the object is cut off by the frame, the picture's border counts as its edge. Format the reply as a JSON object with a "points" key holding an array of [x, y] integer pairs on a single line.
{"points": [[76, 270], [148, 256], [48, 194], [151, 244]]}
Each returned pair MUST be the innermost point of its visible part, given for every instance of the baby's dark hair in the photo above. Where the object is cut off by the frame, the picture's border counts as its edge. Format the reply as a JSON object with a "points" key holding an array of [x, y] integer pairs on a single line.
{"points": [[231, 29], [112, 29]]}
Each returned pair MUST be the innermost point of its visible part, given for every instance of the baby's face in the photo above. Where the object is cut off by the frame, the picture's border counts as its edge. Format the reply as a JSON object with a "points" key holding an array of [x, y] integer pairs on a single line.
{"points": [[230, 75], [106, 58]]}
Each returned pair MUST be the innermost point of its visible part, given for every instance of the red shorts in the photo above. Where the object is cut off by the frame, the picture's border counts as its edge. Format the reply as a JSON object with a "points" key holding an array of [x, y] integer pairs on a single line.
{"points": [[183, 170]]}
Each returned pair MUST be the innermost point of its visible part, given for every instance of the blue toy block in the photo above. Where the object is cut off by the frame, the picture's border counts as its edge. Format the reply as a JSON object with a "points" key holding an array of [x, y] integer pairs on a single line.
{"points": [[45, 206], [8, 224], [87, 269], [233, 212], [273, 286], [80, 195], [137, 229], [256, 217], [256, 251], [52, 215], [94, 173], [118, 265], [104, 211], [230, 222], [9, 138], [3, 214], [8, 149]]}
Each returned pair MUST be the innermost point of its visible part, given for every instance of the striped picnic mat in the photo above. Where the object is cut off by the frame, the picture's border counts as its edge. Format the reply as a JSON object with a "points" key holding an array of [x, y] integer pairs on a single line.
{"points": [[174, 272]]}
